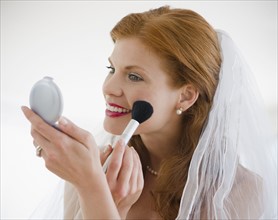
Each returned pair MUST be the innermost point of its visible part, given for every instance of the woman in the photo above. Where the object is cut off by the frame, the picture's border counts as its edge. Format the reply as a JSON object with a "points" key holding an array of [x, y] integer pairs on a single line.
{"points": [[191, 159]]}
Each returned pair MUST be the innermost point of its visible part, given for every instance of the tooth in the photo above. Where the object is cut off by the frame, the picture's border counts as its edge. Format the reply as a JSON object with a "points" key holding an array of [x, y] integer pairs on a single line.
{"points": [[117, 109]]}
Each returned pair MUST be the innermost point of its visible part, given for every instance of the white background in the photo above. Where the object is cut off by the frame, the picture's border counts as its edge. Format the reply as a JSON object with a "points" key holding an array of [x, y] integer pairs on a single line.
{"points": [[69, 40]]}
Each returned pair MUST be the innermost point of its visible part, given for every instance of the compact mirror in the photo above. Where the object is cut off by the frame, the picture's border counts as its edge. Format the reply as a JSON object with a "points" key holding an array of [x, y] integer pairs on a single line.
{"points": [[46, 100]]}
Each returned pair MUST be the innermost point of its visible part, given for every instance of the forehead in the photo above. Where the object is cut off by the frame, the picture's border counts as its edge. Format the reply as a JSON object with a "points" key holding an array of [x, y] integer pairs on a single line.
{"points": [[131, 51]]}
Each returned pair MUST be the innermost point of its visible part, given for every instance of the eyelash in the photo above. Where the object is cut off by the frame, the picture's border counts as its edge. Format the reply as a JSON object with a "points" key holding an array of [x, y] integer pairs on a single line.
{"points": [[111, 69], [133, 77]]}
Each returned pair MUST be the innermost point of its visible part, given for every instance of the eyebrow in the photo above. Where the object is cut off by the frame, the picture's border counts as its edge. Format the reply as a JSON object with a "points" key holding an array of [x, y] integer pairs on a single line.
{"points": [[130, 67]]}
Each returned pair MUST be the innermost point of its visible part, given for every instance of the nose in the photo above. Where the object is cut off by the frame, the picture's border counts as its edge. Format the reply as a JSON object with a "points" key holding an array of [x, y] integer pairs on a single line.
{"points": [[112, 85]]}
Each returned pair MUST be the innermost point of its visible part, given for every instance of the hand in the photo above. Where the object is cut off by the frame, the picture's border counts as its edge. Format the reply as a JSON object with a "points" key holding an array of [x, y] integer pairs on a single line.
{"points": [[105, 153], [125, 177], [70, 153]]}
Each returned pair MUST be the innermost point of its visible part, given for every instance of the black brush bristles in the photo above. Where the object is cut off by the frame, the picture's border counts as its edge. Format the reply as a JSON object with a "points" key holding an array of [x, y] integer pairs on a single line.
{"points": [[141, 111]]}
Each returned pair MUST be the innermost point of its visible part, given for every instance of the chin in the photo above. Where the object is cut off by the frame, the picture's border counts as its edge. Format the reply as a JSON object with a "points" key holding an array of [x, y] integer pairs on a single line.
{"points": [[113, 128]]}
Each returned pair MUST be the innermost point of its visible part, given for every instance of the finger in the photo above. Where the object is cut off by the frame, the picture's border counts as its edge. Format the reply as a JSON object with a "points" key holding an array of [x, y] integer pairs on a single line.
{"points": [[77, 133], [115, 161], [105, 153], [40, 140], [35, 143], [40, 125], [38, 151], [140, 177], [126, 168], [135, 171]]}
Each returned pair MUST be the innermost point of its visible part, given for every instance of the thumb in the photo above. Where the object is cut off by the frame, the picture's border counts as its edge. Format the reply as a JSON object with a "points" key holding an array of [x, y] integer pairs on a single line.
{"points": [[105, 153], [77, 133]]}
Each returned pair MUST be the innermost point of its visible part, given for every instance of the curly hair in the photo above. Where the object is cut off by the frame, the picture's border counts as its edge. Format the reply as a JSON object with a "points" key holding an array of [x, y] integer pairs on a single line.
{"points": [[189, 48]]}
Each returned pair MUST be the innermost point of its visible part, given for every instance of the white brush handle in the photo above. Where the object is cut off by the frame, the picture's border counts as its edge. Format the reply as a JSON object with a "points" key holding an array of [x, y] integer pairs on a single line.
{"points": [[126, 135]]}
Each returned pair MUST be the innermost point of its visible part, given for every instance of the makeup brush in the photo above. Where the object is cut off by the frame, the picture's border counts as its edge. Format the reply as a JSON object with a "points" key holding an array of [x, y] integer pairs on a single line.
{"points": [[141, 111]]}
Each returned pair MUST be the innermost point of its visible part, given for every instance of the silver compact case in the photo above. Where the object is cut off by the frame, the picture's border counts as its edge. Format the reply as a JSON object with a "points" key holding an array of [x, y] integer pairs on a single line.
{"points": [[46, 100]]}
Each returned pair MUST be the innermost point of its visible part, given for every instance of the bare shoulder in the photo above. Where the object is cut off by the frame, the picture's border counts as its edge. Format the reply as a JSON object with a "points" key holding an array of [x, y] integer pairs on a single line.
{"points": [[245, 195], [244, 175], [248, 183]]}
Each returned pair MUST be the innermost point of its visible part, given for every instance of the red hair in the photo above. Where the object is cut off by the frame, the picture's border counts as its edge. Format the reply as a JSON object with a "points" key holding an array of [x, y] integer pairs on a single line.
{"points": [[189, 48]]}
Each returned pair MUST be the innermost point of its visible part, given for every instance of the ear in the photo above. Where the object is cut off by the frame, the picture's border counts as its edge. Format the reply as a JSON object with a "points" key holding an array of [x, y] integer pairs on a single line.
{"points": [[188, 96]]}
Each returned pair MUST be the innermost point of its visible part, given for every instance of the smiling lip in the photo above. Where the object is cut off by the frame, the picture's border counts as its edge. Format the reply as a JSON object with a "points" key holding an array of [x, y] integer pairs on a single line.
{"points": [[114, 110]]}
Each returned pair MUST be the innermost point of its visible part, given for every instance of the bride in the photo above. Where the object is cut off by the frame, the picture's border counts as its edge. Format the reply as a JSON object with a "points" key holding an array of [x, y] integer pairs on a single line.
{"points": [[206, 151]]}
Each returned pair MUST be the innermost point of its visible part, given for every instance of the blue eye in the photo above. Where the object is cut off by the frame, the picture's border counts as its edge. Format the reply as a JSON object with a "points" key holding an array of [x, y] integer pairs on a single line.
{"points": [[111, 69], [134, 77]]}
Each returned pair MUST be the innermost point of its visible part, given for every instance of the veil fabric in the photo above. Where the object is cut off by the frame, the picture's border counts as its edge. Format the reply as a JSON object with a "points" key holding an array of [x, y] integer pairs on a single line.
{"points": [[233, 171]]}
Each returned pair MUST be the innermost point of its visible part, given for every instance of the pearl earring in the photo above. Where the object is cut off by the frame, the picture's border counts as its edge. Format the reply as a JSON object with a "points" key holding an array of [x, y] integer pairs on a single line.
{"points": [[179, 111]]}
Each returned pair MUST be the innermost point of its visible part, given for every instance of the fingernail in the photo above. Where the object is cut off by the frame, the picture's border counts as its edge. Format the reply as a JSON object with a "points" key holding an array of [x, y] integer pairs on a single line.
{"points": [[121, 142], [63, 121], [107, 148], [23, 108]]}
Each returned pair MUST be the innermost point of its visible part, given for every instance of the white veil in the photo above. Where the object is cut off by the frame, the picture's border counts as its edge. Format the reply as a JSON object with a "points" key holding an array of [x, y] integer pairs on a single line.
{"points": [[233, 172]]}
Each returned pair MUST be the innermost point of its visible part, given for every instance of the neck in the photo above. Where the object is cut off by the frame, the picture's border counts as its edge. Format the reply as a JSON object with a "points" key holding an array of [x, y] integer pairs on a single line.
{"points": [[160, 146]]}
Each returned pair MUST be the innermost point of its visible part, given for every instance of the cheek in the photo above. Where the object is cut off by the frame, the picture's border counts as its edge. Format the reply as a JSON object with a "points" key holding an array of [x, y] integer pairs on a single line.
{"points": [[115, 126], [158, 122], [164, 103], [163, 116]]}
